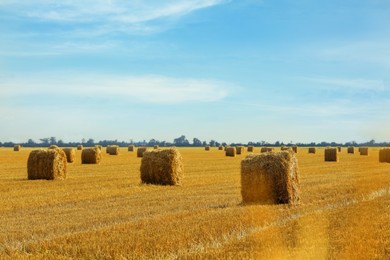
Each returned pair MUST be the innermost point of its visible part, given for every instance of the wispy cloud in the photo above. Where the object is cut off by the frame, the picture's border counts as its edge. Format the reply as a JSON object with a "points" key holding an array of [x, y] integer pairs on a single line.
{"points": [[150, 88]]}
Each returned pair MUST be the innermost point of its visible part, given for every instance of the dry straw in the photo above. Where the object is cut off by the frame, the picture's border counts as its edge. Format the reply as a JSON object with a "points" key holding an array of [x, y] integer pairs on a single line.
{"points": [[285, 148], [266, 149], [384, 155], [240, 149], [131, 148], [270, 178], [339, 149], [351, 149], [140, 151], [91, 156], [163, 167], [207, 148], [230, 151], [53, 146], [80, 147], [49, 164], [113, 150], [17, 147], [331, 155], [99, 146], [312, 150], [295, 148], [363, 150], [156, 147], [220, 147], [250, 149], [70, 154]]}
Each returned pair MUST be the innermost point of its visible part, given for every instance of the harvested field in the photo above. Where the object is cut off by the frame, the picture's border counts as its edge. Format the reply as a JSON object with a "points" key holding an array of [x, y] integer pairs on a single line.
{"points": [[105, 212]]}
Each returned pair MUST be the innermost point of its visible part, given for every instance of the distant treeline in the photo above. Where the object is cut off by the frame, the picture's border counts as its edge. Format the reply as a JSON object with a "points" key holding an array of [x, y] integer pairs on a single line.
{"points": [[181, 141]]}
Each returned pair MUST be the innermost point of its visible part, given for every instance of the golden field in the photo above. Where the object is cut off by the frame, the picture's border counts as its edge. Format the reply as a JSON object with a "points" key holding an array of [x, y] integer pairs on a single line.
{"points": [[103, 212]]}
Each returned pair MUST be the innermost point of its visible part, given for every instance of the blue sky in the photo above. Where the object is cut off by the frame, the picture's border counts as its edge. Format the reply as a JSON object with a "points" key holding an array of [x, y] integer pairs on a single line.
{"points": [[234, 71]]}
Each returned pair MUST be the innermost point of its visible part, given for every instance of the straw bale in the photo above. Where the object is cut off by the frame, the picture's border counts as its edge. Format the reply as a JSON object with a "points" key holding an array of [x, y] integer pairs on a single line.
{"points": [[240, 149], [140, 151], [48, 164], [207, 148], [339, 149], [155, 147], [285, 148], [384, 155], [220, 148], [250, 149], [351, 149], [113, 150], [131, 148], [70, 154], [363, 150], [91, 156], [163, 167], [17, 147], [331, 155], [295, 148], [80, 147], [230, 151], [266, 149], [270, 178], [312, 150]]}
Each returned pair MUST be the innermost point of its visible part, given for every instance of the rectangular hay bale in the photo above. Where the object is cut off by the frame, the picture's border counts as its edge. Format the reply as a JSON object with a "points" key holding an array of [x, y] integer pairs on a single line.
{"points": [[49, 164], [270, 178], [162, 167], [331, 155]]}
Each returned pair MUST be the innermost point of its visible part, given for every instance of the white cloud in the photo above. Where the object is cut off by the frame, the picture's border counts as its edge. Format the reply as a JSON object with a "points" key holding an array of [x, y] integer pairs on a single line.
{"points": [[151, 88]]}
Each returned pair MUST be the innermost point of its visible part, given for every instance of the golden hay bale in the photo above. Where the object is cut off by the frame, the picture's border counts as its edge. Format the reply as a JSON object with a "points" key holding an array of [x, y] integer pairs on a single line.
{"points": [[220, 147], [312, 150], [266, 149], [270, 178], [49, 164], [80, 147], [156, 147], [70, 154], [226, 147], [131, 148], [331, 155], [384, 155], [285, 148], [295, 148], [140, 151], [363, 150], [351, 149], [230, 151], [17, 147], [339, 149], [251, 148], [240, 149], [163, 167], [113, 150], [91, 156], [207, 148]]}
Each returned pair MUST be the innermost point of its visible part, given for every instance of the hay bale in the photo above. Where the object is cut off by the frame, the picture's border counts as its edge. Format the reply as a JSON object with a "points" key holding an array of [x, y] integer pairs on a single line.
{"points": [[331, 155], [113, 150], [312, 150], [131, 148], [351, 149], [270, 178], [17, 147], [250, 149], [156, 147], [91, 156], [230, 151], [384, 155], [240, 149], [285, 148], [49, 164], [266, 149], [80, 147], [363, 150], [339, 149], [140, 151], [226, 147], [70, 154], [220, 147], [207, 148], [295, 148], [163, 167]]}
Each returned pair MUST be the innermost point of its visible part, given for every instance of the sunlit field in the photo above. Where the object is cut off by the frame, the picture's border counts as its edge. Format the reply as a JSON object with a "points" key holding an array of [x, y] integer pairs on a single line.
{"points": [[103, 211]]}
